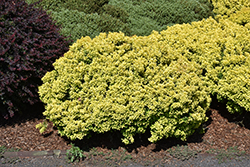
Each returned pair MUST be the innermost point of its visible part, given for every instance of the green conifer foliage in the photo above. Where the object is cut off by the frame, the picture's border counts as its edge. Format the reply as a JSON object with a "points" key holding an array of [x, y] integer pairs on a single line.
{"points": [[77, 24], [86, 6], [145, 16], [128, 16]]}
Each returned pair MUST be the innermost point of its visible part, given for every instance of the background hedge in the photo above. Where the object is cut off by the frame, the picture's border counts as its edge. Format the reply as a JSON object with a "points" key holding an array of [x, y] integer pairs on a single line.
{"points": [[89, 18]]}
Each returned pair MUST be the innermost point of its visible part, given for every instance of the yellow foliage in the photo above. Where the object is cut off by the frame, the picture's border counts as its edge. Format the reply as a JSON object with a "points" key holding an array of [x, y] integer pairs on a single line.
{"points": [[162, 81], [237, 11], [228, 7]]}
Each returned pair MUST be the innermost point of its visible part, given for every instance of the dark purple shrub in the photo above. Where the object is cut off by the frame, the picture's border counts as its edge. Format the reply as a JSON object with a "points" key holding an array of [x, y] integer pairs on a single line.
{"points": [[29, 43]]}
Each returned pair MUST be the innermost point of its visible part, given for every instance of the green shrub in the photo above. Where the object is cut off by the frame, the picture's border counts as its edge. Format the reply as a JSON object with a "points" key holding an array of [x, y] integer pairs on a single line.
{"points": [[78, 24], [95, 5], [86, 6], [145, 16], [130, 17], [115, 11], [47, 4], [85, 17]]}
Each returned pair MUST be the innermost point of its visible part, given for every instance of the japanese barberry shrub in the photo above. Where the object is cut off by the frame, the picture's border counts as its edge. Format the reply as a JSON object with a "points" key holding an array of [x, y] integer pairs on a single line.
{"points": [[226, 8], [29, 44], [233, 86], [233, 83], [237, 11], [221, 47], [129, 84], [162, 82]]}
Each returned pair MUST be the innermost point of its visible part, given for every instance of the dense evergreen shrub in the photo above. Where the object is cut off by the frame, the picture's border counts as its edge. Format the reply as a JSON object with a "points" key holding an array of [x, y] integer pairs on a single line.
{"points": [[29, 44], [115, 11], [233, 84], [145, 16], [234, 80], [78, 24], [228, 7], [86, 6], [162, 81], [85, 18], [129, 16]]}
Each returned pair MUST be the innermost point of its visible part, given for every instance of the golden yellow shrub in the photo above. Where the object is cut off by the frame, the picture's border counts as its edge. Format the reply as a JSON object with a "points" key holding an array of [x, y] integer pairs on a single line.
{"points": [[237, 11], [115, 82], [160, 82], [222, 49], [228, 7]]}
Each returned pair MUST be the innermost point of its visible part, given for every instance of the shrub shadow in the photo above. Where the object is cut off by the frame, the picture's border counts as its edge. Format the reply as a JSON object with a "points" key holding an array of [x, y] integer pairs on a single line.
{"points": [[28, 112], [242, 119]]}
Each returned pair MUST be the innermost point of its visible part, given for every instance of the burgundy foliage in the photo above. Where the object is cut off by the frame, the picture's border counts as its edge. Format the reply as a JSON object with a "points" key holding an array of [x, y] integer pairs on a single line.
{"points": [[29, 43]]}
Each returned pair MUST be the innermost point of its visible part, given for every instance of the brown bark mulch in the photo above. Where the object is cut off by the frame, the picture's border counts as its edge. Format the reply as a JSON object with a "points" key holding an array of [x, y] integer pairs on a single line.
{"points": [[222, 130]]}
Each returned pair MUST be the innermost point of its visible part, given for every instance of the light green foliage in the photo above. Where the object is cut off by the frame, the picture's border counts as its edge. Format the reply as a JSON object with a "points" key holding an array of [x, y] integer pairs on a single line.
{"points": [[241, 17], [42, 126], [116, 82], [74, 154], [145, 16], [77, 24], [115, 11], [86, 6], [89, 18]]}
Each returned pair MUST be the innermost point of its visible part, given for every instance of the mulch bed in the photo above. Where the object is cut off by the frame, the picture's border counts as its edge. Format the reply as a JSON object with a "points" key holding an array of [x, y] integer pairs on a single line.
{"points": [[223, 130]]}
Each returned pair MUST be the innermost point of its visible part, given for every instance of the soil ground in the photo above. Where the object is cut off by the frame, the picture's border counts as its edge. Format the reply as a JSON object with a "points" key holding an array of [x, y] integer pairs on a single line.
{"points": [[223, 131]]}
